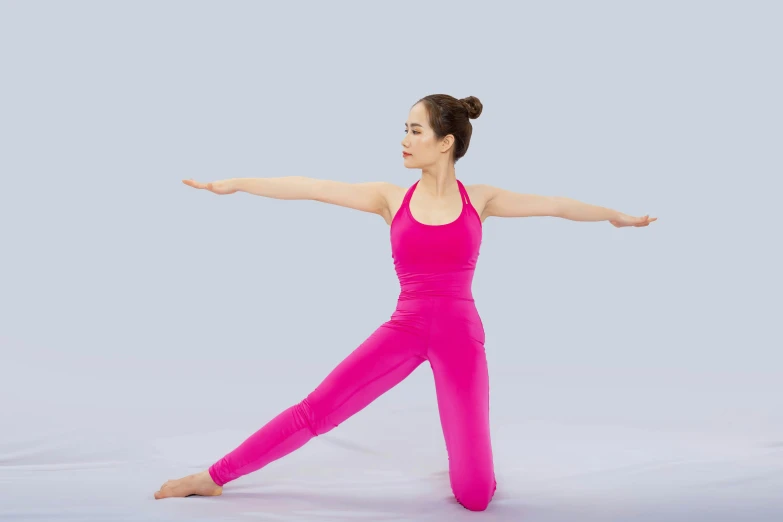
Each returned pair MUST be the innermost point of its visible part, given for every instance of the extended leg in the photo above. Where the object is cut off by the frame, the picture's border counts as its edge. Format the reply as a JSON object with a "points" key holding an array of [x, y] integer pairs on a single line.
{"points": [[462, 388], [384, 359]]}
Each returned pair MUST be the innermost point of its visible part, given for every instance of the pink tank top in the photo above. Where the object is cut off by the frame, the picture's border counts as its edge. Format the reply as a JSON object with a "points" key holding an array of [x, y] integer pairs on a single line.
{"points": [[436, 260]]}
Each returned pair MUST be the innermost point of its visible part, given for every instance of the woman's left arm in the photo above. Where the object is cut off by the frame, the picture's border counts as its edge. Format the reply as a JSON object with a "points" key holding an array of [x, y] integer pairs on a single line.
{"points": [[504, 203]]}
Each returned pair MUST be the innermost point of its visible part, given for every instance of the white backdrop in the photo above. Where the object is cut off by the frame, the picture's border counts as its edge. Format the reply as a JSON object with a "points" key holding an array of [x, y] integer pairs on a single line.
{"points": [[147, 328]]}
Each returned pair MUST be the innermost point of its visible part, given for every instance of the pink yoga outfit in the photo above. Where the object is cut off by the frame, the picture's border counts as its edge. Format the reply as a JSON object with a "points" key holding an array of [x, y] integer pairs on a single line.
{"points": [[436, 321]]}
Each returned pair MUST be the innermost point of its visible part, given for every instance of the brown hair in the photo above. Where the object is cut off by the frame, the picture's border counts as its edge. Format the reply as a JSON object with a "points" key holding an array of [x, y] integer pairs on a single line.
{"points": [[448, 115]]}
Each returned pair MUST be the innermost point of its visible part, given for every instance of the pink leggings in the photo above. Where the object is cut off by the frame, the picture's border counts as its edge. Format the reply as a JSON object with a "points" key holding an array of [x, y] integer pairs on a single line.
{"points": [[445, 331]]}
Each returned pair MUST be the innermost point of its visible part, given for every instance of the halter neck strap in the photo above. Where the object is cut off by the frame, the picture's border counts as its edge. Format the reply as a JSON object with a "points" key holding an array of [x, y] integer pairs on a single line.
{"points": [[408, 194], [464, 192]]}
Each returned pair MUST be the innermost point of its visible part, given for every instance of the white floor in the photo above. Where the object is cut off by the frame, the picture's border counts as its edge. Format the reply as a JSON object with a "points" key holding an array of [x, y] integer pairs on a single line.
{"points": [[79, 457]]}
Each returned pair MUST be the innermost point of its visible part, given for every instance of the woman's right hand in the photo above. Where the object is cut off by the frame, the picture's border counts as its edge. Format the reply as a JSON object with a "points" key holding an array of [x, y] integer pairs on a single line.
{"points": [[221, 187]]}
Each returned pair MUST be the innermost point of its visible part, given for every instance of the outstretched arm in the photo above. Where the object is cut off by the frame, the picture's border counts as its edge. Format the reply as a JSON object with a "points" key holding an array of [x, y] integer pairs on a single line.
{"points": [[504, 203], [371, 196]]}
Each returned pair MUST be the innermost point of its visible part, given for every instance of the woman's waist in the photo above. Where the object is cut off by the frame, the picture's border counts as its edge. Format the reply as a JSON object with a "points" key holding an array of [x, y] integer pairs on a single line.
{"points": [[447, 284], [426, 294], [434, 303]]}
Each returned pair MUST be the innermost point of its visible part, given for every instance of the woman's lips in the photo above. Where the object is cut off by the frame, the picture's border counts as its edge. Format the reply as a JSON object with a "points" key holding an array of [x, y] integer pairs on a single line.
{"points": [[405, 154]]}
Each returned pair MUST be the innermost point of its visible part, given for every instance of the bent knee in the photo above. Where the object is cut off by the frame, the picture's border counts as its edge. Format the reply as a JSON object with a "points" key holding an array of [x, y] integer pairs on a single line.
{"points": [[475, 495], [474, 503], [476, 498]]}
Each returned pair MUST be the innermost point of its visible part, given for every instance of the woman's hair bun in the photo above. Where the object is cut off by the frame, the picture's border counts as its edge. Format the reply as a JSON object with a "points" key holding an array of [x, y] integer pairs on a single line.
{"points": [[473, 105]]}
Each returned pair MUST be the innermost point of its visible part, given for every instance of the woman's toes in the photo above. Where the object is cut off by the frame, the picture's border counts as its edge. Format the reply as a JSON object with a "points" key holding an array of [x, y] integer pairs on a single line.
{"points": [[165, 490], [198, 484]]}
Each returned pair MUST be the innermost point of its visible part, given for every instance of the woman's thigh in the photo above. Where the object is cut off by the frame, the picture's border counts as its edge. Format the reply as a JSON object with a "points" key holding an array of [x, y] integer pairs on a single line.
{"points": [[378, 364], [461, 376]]}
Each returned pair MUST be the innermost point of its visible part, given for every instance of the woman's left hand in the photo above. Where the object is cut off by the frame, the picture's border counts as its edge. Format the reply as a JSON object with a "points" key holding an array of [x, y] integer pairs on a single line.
{"points": [[624, 220]]}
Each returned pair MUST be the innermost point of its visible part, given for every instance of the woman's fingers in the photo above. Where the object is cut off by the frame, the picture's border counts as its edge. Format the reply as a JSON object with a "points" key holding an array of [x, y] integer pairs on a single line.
{"points": [[640, 222], [194, 184], [213, 186]]}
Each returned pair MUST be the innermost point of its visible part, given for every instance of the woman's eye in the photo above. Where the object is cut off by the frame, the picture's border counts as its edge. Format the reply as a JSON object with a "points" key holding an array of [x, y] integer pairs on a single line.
{"points": [[414, 132]]}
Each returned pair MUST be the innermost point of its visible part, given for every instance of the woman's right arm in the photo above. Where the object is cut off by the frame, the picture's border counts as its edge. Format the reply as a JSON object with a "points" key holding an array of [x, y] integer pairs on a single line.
{"points": [[368, 197]]}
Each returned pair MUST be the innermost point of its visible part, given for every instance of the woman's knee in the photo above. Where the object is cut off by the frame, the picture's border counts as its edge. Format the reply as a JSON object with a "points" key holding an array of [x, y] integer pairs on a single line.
{"points": [[475, 497], [475, 502]]}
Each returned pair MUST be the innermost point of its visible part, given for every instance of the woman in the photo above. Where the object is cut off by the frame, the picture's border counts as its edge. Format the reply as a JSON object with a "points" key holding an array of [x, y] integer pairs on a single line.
{"points": [[436, 231]]}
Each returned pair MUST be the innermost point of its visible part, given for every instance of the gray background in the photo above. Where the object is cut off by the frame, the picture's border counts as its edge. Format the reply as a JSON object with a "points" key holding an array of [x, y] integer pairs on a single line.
{"points": [[147, 328]]}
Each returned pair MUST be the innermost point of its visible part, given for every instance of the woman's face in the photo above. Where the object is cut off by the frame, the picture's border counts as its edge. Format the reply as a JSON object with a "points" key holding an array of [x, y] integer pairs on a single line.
{"points": [[420, 142]]}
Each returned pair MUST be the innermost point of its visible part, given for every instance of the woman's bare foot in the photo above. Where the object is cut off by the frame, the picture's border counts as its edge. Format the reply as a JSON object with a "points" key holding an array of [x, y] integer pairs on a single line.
{"points": [[196, 484]]}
